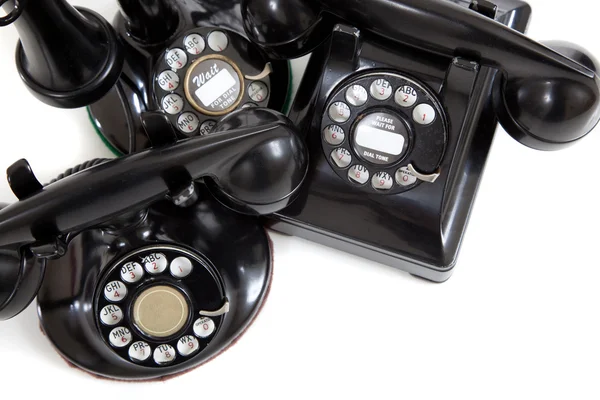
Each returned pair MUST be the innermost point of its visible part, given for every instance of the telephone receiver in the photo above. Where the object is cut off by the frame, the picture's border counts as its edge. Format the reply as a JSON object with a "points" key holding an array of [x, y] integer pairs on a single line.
{"points": [[188, 60], [545, 100], [121, 240]]}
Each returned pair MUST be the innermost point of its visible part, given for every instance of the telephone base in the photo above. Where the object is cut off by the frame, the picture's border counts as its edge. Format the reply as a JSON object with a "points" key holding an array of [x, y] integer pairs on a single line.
{"points": [[75, 320], [117, 120], [426, 272]]}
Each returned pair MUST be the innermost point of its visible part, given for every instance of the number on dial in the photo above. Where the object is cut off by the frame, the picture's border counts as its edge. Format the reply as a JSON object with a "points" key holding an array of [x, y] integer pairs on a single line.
{"points": [[258, 91], [381, 89], [334, 135], [406, 96], [382, 181], [356, 95], [359, 174], [194, 43]]}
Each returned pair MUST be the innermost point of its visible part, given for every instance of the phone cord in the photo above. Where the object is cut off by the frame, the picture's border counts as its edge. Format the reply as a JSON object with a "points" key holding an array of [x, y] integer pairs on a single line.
{"points": [[79, 168]]}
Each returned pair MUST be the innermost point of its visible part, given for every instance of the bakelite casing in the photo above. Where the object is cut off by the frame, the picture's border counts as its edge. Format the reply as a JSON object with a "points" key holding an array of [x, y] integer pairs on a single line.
{"points": [[66, 303], [483, 71], [71, 64], [117, 116], [212, 195], [178, 194]]}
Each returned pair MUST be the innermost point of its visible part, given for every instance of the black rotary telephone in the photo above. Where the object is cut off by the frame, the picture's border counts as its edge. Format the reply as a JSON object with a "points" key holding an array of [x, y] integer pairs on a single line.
{"points": [[399, 106], [188, 59], [140, 266], [147, 275], [192, 61]]}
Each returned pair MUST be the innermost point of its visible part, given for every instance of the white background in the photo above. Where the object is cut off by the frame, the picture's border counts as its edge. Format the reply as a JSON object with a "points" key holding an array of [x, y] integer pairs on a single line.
{"points": [[519, 318]]}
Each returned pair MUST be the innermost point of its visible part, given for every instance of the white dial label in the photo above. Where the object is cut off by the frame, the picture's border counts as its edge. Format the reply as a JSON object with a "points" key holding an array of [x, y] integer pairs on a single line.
{"points": [[339, 112], [111, 315], [356, 95], [382, 181], [164, 354], [155, 263], [132, 272], [424, 114], [334, 135], [119, 337], [218, 41], [168, 80], [188, 345], [406, 96], [359, 174], [341, 157], [219, 85], [140, 351], [404, 177], [181, 267], [194, 44], [115, 291], [381, 89], [188, 123], [204, 327], [176, 59], [258, 91], [207, 127], [172, 103]]}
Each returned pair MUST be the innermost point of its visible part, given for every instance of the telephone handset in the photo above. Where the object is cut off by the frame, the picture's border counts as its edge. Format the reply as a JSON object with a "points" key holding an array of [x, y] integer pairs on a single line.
{"points": [[189, 60], [141, 280], [399, 106]]}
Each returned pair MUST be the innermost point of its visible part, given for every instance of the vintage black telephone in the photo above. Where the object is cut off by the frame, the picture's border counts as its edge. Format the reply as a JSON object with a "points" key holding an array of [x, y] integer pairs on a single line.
{"points": [[141, 273], [172, 56], [144, 273], [399, 106]]}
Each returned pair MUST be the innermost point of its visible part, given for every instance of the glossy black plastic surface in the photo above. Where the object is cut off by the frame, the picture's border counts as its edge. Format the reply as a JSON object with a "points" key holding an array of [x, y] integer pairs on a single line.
{"points": [[66, 300], [532, 73], [117, 116], [240, 58], [20, 278], [255, 169], [419, 230], [21, 180], [150, 21], [286, 28], [557, 106], [67, 58]]}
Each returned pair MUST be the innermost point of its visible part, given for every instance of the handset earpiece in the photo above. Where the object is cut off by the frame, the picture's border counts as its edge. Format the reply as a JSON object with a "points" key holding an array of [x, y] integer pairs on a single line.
{"points": [[551, 111], [546, 101], [285, 28], [262, 182], [256, 168]]}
